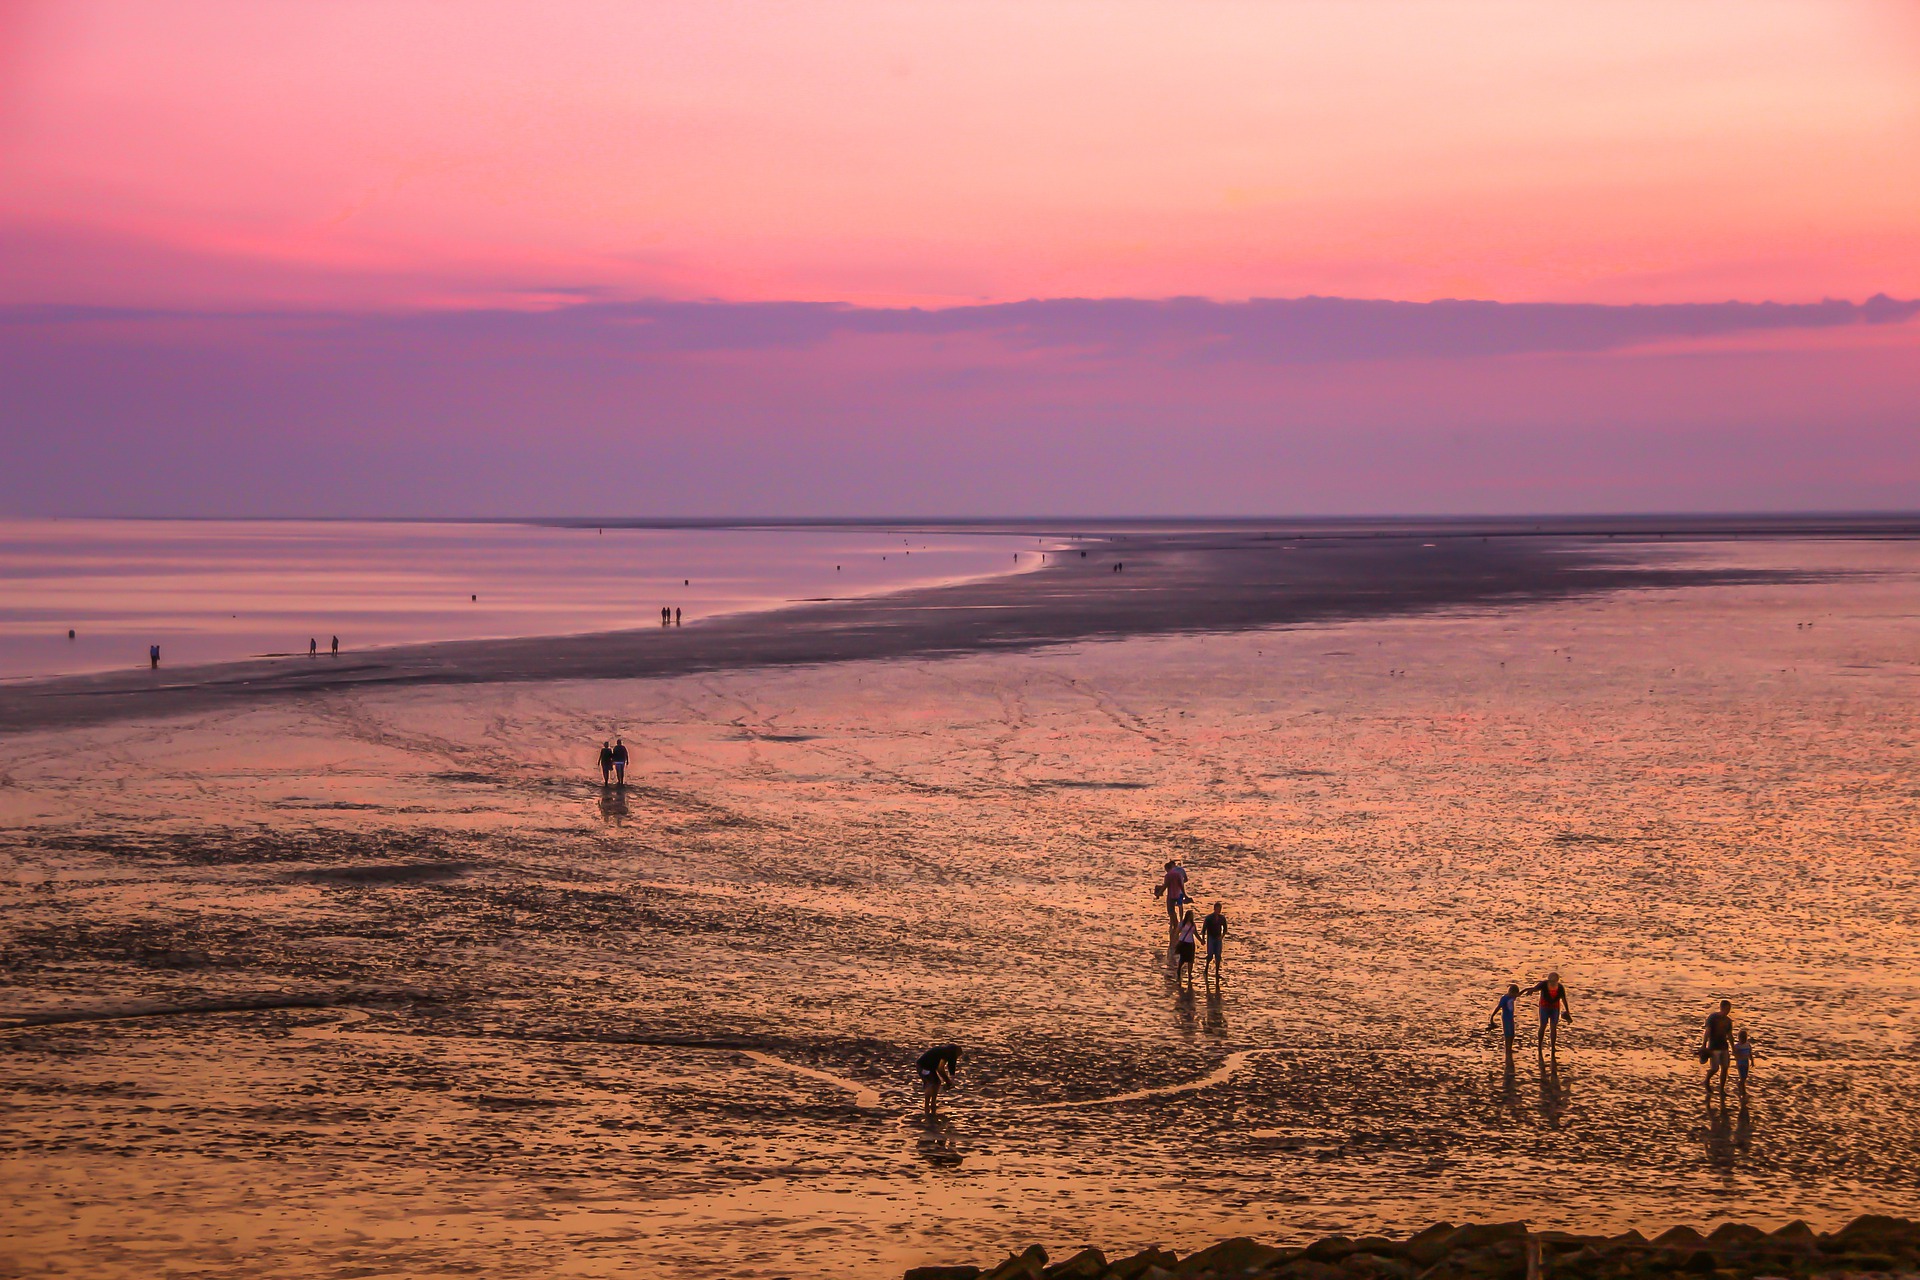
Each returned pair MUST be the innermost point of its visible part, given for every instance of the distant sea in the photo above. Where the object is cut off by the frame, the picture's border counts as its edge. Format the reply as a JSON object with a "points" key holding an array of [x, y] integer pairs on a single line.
{"points": [[217, 590]]}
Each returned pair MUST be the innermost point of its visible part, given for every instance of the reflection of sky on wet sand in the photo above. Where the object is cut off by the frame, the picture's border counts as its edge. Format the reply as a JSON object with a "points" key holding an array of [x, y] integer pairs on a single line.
{"points": [[1669, 798], [218, 590]]}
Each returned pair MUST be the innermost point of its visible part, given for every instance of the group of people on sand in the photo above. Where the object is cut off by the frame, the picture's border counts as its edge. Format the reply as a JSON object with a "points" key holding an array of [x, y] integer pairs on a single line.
{"points": [[1184, 932], [1722, 1048]]}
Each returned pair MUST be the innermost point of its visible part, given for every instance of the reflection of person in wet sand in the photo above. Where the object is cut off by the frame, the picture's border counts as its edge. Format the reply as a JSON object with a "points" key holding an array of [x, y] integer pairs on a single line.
{"points": [[619, 762], [1553, 1007], [936, 1067], [1184, 945], [1716, 1043], [606, 763], [1553, 1093], [1504, 1011], [1215, 929]]}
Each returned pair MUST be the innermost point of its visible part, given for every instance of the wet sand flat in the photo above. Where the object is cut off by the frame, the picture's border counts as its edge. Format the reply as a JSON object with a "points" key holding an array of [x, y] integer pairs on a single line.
{"points": [[1113, 583], [533, 1026]]}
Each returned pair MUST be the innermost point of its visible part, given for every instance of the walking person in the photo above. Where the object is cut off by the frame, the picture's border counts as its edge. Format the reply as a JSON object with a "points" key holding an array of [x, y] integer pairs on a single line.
{"points": [[936, 1068], [313, 647], [1183, 944], [1214, 927], [153, 655], [1553, 1007], [1503, 1010], [606, 763], [1716, 1044], [619, 763], [1174, 883], [1742, 1057]]}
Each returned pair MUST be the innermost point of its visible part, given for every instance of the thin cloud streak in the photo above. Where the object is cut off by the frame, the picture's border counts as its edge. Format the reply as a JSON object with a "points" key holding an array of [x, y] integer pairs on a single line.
{"points": [[1298, 330]]}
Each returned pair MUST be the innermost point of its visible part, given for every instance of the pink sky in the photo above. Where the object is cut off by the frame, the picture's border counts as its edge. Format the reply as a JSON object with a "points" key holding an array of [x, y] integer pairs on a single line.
{"points": [[394, 154], [415, 256]]}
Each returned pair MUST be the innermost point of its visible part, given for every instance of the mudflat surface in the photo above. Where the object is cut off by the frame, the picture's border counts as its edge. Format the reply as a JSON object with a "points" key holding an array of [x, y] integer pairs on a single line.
{"points": [[1121, 583], [382, 981]]}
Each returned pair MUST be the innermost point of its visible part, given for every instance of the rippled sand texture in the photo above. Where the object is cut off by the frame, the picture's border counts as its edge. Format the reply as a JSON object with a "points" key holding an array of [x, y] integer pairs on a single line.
{"points": [[580, 1036]]}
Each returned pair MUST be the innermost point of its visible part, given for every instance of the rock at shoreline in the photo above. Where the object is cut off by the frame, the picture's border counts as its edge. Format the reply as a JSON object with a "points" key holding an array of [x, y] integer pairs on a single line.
{"points": [[1873, 1245]]}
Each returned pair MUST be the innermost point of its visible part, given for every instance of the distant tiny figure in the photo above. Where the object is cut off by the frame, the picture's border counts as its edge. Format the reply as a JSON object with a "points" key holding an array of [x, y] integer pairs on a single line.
{"points": [[336, 646], [1503, 1010], [936, 1067], [619, 763], [475, 597], [1742, 1057], [1553, 1007], [1215, 929], [313, 647], [1716, 1044], [1174, 884], [676, 617], [69, 633], [606, 763], [153, 655], [1183, 945], [666, 615]]}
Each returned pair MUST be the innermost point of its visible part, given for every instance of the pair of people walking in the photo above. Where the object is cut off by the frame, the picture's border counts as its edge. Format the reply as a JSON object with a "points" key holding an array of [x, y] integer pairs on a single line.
{"points": [[1189, 932], [1721, 1047], [613, 763]]}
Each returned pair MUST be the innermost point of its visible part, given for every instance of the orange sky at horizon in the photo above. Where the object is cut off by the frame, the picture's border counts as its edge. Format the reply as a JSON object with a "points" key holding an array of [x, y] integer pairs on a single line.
{"points": [[395, 155]]}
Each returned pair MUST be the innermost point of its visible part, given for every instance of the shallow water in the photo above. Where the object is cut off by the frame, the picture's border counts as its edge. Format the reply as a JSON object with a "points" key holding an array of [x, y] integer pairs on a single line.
{"points": [[217, 590], [1669, 797]]}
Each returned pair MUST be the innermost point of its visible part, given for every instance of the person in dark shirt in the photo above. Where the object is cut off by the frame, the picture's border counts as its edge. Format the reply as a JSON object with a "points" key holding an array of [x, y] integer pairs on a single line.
{"points": [[1553, 1007], [1503, 1010], [1215, 929], [619, 762], [606, 763], [936, 1067], [1716, 1042]]}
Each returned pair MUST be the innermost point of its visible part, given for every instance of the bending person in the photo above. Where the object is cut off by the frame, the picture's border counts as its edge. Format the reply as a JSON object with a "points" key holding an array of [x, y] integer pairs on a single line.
{"points": [[936, 1067]]}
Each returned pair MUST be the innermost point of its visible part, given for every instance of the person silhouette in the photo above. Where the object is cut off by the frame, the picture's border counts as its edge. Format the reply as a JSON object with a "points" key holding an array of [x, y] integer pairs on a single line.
{"points": [[619, 763], [313, 647], [1214, 928], [336, 646], [153, 655], [1716, 1044], [606, 763], [1553, 1007]]}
